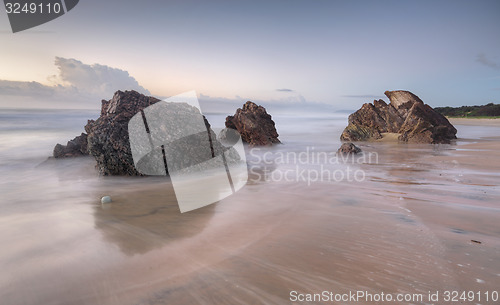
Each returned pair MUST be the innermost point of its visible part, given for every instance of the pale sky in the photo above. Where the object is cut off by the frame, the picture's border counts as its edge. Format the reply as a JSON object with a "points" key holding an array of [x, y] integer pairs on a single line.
{"points": [[343, 53]]}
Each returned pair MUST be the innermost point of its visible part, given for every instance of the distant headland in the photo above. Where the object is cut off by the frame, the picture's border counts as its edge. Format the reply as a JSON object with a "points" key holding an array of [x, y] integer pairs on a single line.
{"points": [[484, 111]]}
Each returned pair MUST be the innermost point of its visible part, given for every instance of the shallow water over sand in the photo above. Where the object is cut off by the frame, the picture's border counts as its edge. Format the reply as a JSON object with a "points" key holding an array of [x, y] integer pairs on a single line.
{"points": [[405, 228]]}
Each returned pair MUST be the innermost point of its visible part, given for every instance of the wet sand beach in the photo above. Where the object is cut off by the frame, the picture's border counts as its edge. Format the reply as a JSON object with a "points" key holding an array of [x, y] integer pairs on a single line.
{"points": [[424, 218]]}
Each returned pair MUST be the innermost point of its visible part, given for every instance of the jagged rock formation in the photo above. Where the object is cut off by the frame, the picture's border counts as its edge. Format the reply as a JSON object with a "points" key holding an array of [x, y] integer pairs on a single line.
{"points": [[107, 137], [74, 148], [254, 124], [348, 148], [406, 114]]}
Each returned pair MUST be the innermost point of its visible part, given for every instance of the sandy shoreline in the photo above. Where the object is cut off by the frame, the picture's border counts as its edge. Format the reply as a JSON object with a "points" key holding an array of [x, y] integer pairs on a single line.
{"points": [[474, 122]]}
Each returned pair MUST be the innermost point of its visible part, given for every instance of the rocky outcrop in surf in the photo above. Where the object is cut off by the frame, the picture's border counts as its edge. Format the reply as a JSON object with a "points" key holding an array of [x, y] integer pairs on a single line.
{"points": [[254, 124], [348, 149], [107, 138], [74, 148], [406, 115]]}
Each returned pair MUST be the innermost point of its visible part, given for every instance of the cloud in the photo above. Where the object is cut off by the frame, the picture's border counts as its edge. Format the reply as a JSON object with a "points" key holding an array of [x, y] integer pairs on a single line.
{"points": [[77, 85], [284, 90], [15, 88], [99, 79], [482, 59]]}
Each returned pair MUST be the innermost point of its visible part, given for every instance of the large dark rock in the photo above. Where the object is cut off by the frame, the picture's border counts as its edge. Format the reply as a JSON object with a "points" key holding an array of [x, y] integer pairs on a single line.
{"points": [[406, 114], [74, 148], [108, 140], [254, 124]]}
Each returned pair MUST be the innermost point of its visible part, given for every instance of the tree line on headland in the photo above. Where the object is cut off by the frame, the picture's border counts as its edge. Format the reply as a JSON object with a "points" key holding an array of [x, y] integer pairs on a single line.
{"points": [[488, 110]]}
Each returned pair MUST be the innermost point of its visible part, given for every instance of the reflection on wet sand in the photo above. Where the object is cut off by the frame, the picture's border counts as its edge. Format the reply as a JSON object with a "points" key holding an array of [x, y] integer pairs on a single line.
{"points": [[142, 219], [271, 239], [454, 193]]}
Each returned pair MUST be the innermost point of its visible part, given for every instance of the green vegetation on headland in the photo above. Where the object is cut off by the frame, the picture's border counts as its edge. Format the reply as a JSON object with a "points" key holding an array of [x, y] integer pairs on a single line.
{"points": [[489, 111]]}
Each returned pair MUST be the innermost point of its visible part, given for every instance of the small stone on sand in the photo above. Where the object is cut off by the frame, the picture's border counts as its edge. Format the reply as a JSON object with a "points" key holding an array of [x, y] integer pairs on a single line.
{"points": [[106, 199]]}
